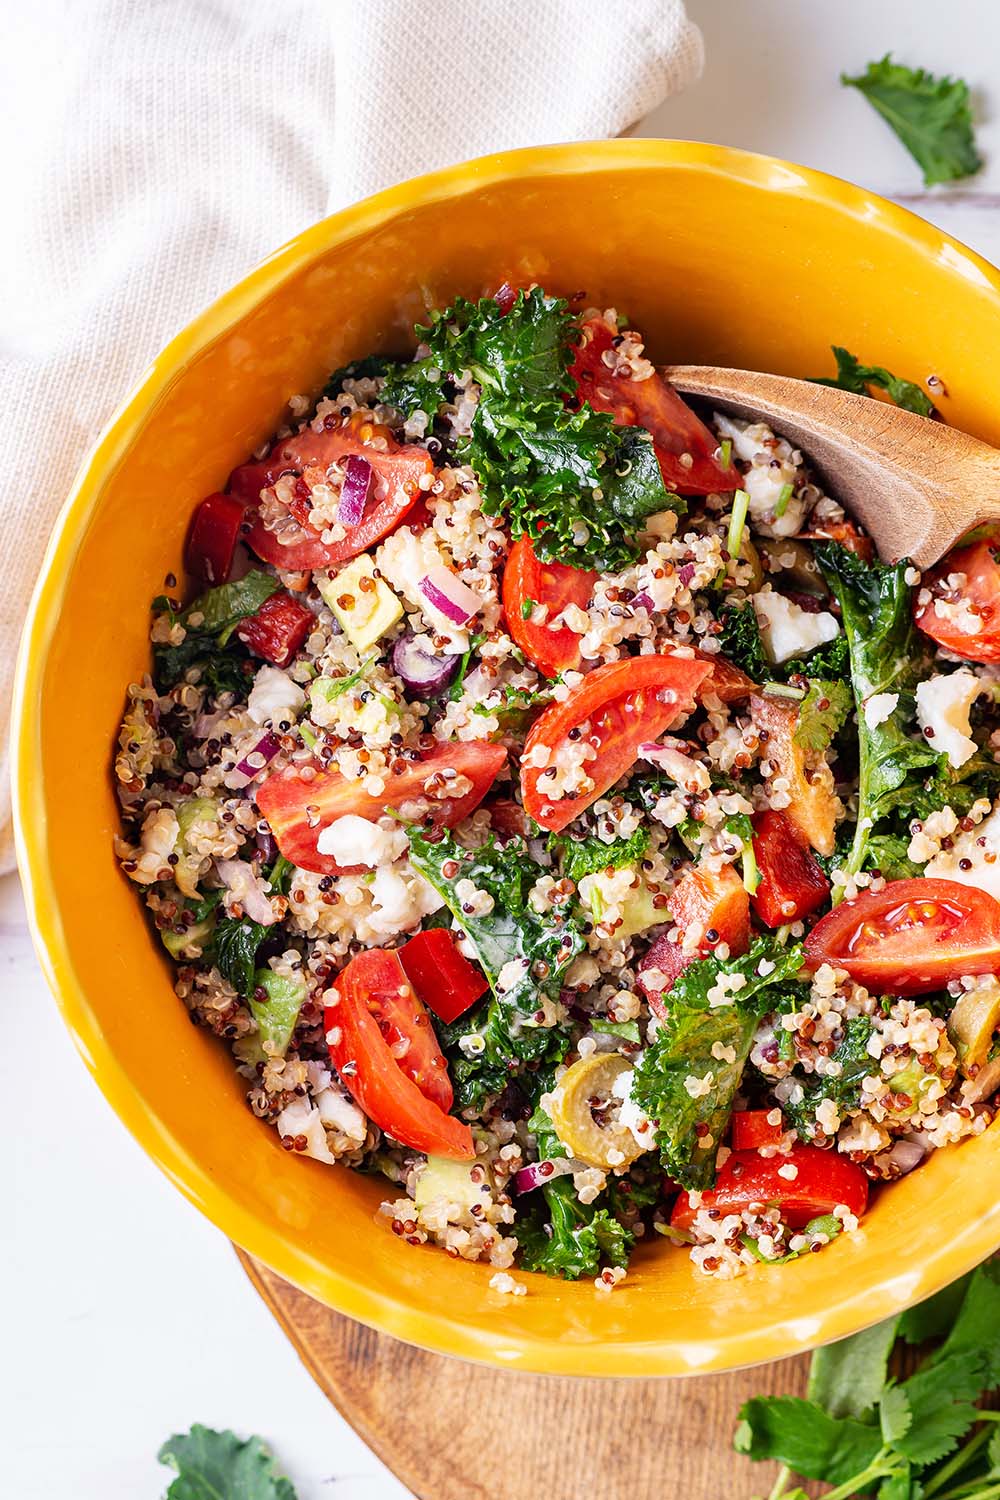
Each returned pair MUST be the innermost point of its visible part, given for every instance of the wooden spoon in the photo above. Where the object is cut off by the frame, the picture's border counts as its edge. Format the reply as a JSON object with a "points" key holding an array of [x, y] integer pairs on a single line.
{"points": [[915, 484]]}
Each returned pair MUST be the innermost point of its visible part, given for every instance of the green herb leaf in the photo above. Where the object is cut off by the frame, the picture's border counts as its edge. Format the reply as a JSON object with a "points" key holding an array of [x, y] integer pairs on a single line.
{"points": [[895, 1415], [844, 1088], [224, 607], [740, 640], [977, 1326], [220, 1466], [806, 1438], [846, 1378], [235, 951], [940, 1396], [852, 375], [931, 116], [822, 713], [933, 1318], [591, 855], [577, 1239], [224, 665]]}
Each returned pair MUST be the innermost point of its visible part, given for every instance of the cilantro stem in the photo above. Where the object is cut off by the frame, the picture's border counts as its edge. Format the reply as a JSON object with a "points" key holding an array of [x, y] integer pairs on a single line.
{"points": [[959, 1461], [778, 1488], [883, 1466]]}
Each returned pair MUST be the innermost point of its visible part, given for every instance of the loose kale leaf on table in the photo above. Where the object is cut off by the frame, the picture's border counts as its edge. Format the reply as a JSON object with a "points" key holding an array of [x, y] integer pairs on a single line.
{"points": [[220, 1466], [931, 116], [540, 948]]}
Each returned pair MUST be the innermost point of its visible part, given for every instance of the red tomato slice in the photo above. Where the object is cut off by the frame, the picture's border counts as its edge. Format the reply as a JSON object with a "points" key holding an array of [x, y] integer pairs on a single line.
{"points": [[278, 629], [383, 1046], [751, 1128], [298, 810], [913, 936], [718, 905], [791, 882], [443, 978], [823, 1180], [212, 537], [980, 595], [727, 681], [309, 454], [526, 579], [622, 706], [655, 405]]}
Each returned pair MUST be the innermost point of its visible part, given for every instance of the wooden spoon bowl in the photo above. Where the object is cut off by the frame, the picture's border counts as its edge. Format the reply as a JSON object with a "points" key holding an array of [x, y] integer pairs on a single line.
{"points": [[915, 484]]}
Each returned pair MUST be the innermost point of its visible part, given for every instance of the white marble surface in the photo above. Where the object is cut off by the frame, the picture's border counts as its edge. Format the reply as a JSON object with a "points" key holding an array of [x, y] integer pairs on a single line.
{"points": [[127, 1316]]}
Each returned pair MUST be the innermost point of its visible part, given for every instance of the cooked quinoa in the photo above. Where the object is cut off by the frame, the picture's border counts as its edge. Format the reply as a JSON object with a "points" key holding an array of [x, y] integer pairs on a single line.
{"points": [[553, 803]]}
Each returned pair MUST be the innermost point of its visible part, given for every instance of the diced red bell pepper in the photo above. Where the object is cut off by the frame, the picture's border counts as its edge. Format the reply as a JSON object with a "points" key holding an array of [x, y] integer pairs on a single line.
{"points": [[443, 978], [212, 538], [278, 630], [791, 882], [714, 902], [821, 1181], [752, 1128]]}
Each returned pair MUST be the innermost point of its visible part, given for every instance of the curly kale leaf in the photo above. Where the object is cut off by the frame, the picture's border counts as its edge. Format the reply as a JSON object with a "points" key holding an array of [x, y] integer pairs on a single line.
{"points": [[590, 855], [523, 956], [218, 1464], [844, 1088], [687, 1077], [874, 600], [854, 376], [741, 641], [822, 714], [572, 1239], [208, 625], [931, 116], [521, 356]]}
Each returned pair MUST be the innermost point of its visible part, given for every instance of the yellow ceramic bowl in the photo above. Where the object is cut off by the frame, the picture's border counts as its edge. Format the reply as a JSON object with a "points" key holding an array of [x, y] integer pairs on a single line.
{"points": [[720, 257]]}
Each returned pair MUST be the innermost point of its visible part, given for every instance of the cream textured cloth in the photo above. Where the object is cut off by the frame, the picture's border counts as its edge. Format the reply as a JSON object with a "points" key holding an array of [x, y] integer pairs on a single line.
{"points": [[155, 150]]}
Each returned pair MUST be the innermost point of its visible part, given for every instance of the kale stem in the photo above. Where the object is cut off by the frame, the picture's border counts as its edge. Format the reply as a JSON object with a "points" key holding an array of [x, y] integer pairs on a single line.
{"points": [[778, 1488]]}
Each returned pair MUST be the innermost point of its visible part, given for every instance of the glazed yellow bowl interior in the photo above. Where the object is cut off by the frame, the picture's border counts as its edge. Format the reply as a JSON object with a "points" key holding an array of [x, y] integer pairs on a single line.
{"points": [[720, 257]]}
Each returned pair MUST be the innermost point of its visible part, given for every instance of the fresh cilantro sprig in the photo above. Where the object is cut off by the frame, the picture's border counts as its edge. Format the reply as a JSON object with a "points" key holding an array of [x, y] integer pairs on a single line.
{"points": [[931, 116], [861, 1431]]}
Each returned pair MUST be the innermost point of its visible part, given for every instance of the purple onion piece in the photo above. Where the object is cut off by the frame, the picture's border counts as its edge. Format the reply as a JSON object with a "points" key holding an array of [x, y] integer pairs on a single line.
{"points": [[643, 601], [355, 490], [448, 594], [685, 574], [268, 746], [538, 1172], [421, 673], [267, 847]]}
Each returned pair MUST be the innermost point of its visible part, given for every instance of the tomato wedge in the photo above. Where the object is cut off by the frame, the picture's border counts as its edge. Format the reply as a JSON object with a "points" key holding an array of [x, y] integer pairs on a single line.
{"points": [[309, 454], [298, 810], [383, 1046], [972, 630], [823, 1180], [655, 405], [278, 629], [727, 681], [910, 937], [751, 1128], [813, 808], [212, 537], [616, 709], [716, 903], [526, 582], [443, 978], [791, 882]]}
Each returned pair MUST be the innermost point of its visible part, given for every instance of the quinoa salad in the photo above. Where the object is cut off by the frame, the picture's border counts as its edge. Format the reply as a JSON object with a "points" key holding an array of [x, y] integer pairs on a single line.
{"points": [[564, 816]]}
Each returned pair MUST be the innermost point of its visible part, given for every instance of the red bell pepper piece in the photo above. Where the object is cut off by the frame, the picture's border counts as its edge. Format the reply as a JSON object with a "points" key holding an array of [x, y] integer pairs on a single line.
{"points": [[752, 1128], [443, 978], [278, 629], [791, 882], [212, 537]]}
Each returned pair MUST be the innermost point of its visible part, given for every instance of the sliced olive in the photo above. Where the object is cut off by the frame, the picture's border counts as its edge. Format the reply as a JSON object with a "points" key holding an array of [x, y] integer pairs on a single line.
{"points": [[795, 562], [972, 1024], [584, 1110]]}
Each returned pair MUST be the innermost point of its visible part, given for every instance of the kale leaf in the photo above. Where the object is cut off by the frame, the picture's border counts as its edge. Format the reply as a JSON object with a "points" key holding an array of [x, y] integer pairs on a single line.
{"points": [[523, 955], [369, 368], [740, 640], [852, 375], [218, 1464], [590, 855], [237, 940], [208, 624], [931, 116], [522, 355], [844, 1088], [822, 713], [573, 1239], [687, 1077], [874, 600]]}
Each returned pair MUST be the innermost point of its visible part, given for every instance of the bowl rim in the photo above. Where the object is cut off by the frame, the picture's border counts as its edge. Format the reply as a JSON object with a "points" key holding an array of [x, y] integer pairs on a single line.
{"points": [[852, 1310]]}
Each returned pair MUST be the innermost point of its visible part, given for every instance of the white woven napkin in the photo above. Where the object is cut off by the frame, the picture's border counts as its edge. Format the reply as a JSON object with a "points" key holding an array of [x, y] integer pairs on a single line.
{"points": [[155, 150]]}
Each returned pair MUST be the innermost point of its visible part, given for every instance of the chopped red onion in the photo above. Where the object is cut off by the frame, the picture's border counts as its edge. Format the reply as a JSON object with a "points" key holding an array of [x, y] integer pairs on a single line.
{"points": [[450, 596], [255, 761], [355, 490], [542, 1171], [246, 888], [906, 1155], [685, 574], [643, 601], [420, 672]]}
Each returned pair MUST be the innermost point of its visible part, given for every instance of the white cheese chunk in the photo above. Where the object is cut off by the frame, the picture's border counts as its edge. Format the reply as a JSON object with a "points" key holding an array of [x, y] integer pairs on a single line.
{"points": [[787, 630], [880, 707], [943, 704], [275, 698], [351, 840], [980, 849]]}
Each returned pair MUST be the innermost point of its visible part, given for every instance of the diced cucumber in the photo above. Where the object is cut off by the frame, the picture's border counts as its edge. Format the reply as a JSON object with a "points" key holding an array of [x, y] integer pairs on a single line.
{"points": [[179, 944], [444, 1178], [373, 607], [276, 1016]]}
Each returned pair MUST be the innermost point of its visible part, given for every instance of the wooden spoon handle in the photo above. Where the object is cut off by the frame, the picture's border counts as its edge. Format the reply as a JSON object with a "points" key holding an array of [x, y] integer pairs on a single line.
{"points": [[917, 485]]}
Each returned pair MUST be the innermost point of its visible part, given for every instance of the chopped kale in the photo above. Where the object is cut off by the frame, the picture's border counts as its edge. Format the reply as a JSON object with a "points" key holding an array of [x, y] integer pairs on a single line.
{"points": [[237, 941], [523, 955], [570, 1238], [208, 624], [844, 1088], [590, 855], [854, 376], [369, 368], [741, 641]]}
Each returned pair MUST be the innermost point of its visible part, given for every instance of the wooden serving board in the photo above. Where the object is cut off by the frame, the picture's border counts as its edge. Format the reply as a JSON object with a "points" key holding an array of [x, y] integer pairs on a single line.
{"points": [[450, 1430]]}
